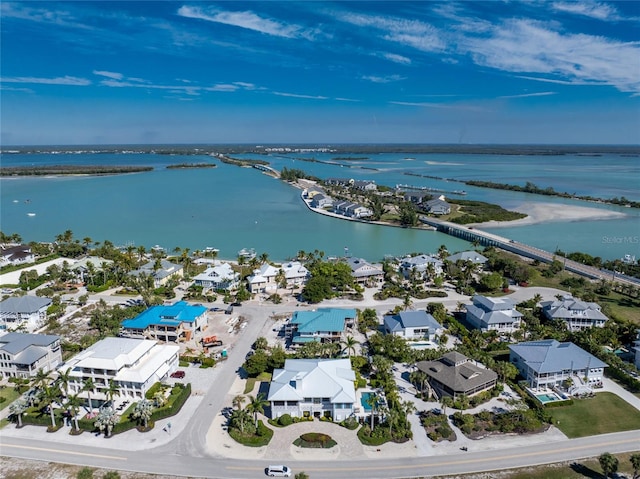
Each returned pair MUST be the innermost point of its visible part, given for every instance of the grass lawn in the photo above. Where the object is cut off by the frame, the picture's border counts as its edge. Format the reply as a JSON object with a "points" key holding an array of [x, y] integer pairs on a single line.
{"points": [[601, 414], [9, 394]]}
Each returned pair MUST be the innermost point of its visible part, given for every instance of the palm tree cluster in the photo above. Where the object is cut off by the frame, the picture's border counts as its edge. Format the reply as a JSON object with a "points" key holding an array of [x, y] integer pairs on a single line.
{"points": [[246, 420]]}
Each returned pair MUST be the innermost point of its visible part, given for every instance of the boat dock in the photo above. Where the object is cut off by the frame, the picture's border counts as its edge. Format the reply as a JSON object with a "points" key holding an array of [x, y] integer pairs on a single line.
{"points": [[484, 238]]}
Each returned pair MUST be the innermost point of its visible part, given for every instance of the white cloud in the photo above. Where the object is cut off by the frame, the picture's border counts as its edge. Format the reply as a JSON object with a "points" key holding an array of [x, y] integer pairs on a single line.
{"points": [[527, 46], [396, 58], [296, 95], [65, 80], [444, 106], [597, 10], [247, 20], [528, 95], [113, 75], [413, 33], [387, 79]]}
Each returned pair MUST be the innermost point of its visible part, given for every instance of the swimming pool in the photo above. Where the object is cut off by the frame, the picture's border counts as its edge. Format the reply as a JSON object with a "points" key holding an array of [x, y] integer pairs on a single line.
{"points": [[548, 397], [364, 400]]}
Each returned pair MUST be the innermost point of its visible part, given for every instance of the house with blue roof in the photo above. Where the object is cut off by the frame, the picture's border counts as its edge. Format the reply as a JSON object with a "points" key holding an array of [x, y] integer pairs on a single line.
{"points": [[549, 364], [321, 325], [412, 325], [174, 323]]}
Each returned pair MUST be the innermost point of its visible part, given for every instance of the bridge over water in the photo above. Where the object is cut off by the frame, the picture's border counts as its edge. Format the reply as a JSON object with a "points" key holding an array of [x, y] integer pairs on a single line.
{"points": [[484, 238]]}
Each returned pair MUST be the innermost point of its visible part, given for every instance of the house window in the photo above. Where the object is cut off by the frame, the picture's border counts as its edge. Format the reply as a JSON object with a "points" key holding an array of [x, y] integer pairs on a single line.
{"points": [[278, 403]]}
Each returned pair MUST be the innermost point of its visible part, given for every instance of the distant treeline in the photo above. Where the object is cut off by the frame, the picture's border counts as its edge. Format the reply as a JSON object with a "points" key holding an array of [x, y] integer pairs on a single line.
{"points": [[549, 191], [239, 162], [191, 165], [70, 170]]}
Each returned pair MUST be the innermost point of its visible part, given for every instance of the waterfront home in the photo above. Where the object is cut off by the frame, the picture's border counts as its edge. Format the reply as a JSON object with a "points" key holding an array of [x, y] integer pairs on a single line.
{"points": [[219, 276], [160, 270], [576, 314], [134, 365], [472, 256], [549, 364], [322, 201], [455, 375], [494, 314], [88, 266], [311, 193], [295, 273], [412, 325], [423, 265], [16, 255], [23, 312], [264, 279], [22, 355], [313, 387], [176, 323], [321, 325], [364, 185], [364, 272], [352, 210], [416, 197], [437, 206]]}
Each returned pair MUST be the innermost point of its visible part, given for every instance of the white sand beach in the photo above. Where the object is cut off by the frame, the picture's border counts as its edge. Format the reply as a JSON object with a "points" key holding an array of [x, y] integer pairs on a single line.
{"points": [[552, 212]]}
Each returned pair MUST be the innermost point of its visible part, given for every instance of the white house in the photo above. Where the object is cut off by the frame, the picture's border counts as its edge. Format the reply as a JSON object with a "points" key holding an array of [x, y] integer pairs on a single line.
{"points": [[472, 256], [548, 363], [322, 201], [219, 276], [364, 185], [162, 274], [263, 279], [412, 325], [364, 272], [295, 273], [134, 365], [313, 387], [16, 255], [494, 314], [575, 313], [421, 264], [23, 355], [24, 312]]}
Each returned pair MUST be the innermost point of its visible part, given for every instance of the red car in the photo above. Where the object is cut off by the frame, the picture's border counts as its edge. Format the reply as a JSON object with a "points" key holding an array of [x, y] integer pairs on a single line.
{"points": [[178, 374]]}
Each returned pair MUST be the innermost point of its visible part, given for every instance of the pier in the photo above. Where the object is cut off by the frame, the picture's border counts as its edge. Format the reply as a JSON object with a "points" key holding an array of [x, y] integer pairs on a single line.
{"points": [[471, 234]]}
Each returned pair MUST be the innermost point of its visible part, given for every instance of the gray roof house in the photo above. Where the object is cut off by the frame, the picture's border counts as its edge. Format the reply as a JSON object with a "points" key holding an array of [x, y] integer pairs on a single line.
{"points": [[161, 275], [494, 314], [548, 363], [365, 272], [25, 312], [16, 255], [313, 387], [22, 354], [412, 325], [455, 375], [575, 313], [472, 256], [365, 185], [437, 206], [421, 265], [322, 201], [219, 276]]}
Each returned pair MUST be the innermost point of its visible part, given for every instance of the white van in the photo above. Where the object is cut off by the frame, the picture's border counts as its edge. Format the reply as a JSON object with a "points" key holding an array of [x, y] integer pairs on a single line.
{"points": [[278, 471]]}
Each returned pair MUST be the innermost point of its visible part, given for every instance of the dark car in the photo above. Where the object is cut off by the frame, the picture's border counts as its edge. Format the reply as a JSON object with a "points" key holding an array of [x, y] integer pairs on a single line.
{"points": [[178, 374]]}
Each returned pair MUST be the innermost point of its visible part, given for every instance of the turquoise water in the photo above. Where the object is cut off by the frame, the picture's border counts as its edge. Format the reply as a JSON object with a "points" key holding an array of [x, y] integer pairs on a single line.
{"points": [[364, 401], [544, 398], [230, 208]]}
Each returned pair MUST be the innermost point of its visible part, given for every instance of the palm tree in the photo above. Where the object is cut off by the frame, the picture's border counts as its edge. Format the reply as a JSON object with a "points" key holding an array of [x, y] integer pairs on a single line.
{"points": [[350, 345], [608, 463], [73, 405], [445, 401], [51, 395], [281, 279], [18, 407], [89, 386], [372, 402], [106, 419], [64, 377], [238, 400], [42, 378], [256, 405], [239, 419], [407, 303], [143, 411], [112, 390], [635, 463], [264, 257]]}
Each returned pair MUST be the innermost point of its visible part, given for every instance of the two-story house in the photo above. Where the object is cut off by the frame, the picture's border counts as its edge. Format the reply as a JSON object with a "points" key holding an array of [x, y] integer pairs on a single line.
{"points": [[176, 323], [575, 313], [22, 355], [413, 325], [322, 325], [23, 312], [219, 276], [494, 314]]}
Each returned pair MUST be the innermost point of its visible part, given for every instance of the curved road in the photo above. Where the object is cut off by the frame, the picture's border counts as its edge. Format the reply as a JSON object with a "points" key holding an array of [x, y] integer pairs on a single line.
{"points": [[187, 455]]}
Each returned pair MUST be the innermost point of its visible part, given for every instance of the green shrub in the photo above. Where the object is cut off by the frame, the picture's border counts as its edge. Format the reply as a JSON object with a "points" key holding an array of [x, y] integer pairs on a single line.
{"points": [[85, 473], [285, 420], [153, 390]]}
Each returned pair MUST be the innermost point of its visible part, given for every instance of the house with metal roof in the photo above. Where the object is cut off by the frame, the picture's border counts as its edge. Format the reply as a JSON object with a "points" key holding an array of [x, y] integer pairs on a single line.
{"points": [[313, 387], [23, 312], [22, 355], [472, 256], [437, 206], [263, 279], [134, 365], [295, 273], [423, 265], [494, 314], [176, 323], [575, 313], [219, 276], [322, 201], [364, 185], [412, 325], [321, 325], [455, 375], [364, 272], [161, 272], [548, 363], [16, 255]]}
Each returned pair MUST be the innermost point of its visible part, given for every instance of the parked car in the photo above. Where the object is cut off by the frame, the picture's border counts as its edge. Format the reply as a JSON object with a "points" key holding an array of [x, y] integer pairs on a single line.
{"points": [[278, 471], [177, 374]]}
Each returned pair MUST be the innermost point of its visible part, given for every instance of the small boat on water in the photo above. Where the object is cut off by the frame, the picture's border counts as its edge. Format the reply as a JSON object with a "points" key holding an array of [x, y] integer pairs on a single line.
{"points": [[31, 214], [247, 253]]}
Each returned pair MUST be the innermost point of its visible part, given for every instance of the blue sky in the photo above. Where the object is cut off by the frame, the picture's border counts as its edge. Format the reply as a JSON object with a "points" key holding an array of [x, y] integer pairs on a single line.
{"points": [[320, 72]]}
